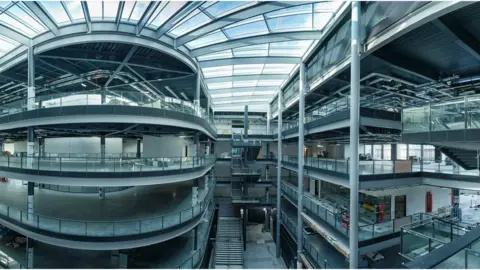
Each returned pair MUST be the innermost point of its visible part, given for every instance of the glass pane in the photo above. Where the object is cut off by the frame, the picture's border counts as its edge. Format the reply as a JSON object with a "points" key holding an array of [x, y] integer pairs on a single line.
{"points": [[19, 11], [3, 4], [250, 27], [245, 83], [254, 50], [247, 69], [327, 6], [215, 37], [239, 94], [7, 44], [321, 19], [270, 82], [217, 71], [192, 23], [278, 68], [222, 8], [56, 11], [289, 48], [220, 85], [217, 55], [75, 9], [295, 22], [11, 22], [221, 95], [167, 12], [127, 9], [139, 10], [110, 9], [290, 11], [95, 9]]}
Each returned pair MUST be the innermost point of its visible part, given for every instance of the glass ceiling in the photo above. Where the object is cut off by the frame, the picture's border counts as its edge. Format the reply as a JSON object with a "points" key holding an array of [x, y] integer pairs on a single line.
{"points": [[182, 21]]}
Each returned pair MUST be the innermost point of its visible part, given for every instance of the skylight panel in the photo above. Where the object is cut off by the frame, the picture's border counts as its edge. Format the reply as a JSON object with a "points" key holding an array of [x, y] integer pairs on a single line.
{"points": [[289, 48], [264, 93], [7, 44], [278, 68], [247, 69], [221, 71], [110, 9], [249, 27], [222, 8], [165, 13], [222, 95], [321, 19], [139, 9], [75, 9], [127, 10], [303, 9], [95, 9], [215, 37], [251, 51], [56, 11], [327, 6], [270, 82], [245, 83], [221, 85], [198, 19], [4, 4], [217, 55], [20, 12], [13, 23], [240, 94], [294, 22]]}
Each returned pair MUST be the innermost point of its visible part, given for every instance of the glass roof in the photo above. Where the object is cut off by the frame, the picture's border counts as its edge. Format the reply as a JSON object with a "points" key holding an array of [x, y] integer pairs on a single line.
{"points": [[186, 17]]}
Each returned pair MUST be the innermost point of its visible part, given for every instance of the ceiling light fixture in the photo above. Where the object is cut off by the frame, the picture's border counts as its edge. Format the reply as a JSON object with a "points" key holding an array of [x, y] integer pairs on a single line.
{"points": [[84, 85]]}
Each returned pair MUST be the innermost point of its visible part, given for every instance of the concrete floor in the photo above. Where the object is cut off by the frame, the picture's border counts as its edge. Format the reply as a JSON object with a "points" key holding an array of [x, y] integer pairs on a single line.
{"points": [[261, 250], [95, 165], [129, 206]]}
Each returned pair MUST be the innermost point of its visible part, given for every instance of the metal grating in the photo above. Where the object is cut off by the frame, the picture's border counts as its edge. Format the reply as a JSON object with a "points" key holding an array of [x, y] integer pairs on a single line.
{"points": [[229, 239]]}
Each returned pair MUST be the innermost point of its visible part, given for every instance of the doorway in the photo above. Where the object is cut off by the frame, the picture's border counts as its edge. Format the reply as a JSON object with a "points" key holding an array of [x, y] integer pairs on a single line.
{"points": [[400, 206]]}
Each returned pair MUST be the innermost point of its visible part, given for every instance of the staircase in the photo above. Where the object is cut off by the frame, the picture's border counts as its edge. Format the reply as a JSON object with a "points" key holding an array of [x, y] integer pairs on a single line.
{"points": [[467, 159], [229, 239]]}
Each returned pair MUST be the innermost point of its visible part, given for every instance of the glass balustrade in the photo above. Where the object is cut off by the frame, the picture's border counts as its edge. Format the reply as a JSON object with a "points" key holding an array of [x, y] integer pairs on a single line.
{"points": [[94, 163], [106, 228], [453, 114], [119, 98]]}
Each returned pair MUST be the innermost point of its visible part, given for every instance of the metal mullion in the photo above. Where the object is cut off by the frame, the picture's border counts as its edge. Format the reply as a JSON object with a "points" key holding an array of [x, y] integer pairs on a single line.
{"points": [[23, 22], [131, 11], [67, 11]]}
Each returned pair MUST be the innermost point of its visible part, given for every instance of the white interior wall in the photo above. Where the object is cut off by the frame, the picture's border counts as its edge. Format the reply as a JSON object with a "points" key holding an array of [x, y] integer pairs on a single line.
{"points": [[167, 146], [81, 145], [130, 146], [361, 150]]}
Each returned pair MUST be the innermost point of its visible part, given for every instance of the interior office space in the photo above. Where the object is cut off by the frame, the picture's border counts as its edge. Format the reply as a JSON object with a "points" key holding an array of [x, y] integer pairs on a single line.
{"points": [[239, 134]]}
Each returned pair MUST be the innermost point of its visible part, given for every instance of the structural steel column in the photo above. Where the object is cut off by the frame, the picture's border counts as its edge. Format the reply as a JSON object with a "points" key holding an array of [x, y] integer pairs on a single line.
{"points": [[197, 89], [269, 115], [354, 132], [30, 200], [30, 247], [139, 148], [195, 238], [197, 147], [279, 171], [301, 160], [103, 96], [31, 79], [421, 157], [101, 193], [30, 147], [102, 149], [393, 151]]}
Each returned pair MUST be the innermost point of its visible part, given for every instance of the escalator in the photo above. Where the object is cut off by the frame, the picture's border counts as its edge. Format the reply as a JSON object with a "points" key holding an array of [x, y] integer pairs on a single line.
{"points": [[467, 159]]}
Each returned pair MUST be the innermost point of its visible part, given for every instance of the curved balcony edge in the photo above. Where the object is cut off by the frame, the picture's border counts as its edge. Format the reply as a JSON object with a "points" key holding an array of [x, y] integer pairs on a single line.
{"points": [[105, 243], [105, 179], [79, 114]]}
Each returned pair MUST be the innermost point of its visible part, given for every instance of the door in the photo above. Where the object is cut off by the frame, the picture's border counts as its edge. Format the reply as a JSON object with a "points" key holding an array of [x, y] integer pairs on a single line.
{"points": [[428, 202], [400, 206]]}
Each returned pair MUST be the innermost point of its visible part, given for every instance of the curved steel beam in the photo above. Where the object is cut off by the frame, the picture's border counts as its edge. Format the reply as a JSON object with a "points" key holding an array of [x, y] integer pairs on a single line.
{"points": [[250, 60], [261, 39]]}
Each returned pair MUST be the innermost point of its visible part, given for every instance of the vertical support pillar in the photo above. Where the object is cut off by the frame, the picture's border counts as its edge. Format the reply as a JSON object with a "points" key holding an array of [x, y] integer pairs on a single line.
{"points": [[30, 147], [421, 157], [30, 200], [30, 250], [139, 148], [354, 132], [438, 154], [195, 192], [123, 259], [197, 147], [393, 151], [267, 195], [42, 149], [408, 151], [267, 154], [103, 95], [269, 115], [115, 257], [195, 238], [301, 160], [382, 155], [102, 149], [245, 123], [279, 172], [456, 203], [31, 79], [101, 193], [245, 220]]}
